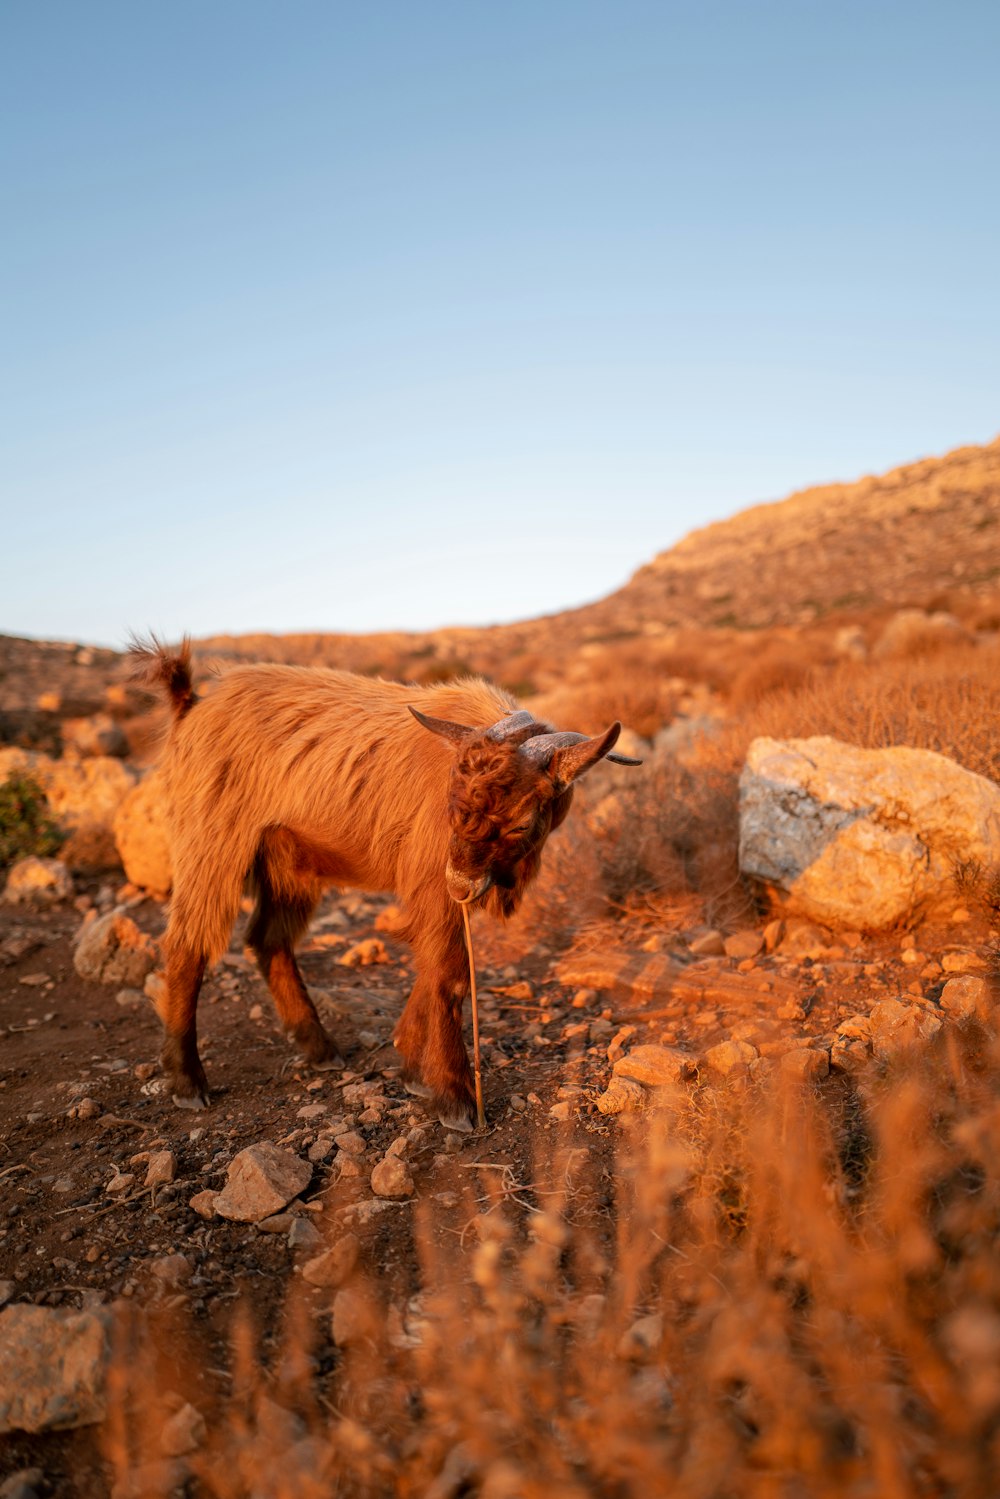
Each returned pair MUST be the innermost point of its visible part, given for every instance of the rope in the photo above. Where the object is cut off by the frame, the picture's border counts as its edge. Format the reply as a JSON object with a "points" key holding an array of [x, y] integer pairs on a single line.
{"points": [[477, 1061]]}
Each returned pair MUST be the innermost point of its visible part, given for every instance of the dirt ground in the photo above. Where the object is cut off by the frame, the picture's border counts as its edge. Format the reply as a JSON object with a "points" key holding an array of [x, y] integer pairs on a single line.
{"points": [[65, 1240]]}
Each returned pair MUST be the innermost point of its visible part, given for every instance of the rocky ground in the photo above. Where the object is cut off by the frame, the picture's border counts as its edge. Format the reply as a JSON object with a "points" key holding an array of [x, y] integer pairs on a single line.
{"points": [[110, 1196]]}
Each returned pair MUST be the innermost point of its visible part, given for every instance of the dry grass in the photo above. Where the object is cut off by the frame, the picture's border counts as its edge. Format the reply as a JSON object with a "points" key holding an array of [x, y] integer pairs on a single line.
{"points": [[769, 1293]]}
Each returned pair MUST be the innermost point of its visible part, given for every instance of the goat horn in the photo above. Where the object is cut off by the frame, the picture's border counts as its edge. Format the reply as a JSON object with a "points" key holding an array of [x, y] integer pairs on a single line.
{"points": [[457, 733], [515, 727], [541, 749]]}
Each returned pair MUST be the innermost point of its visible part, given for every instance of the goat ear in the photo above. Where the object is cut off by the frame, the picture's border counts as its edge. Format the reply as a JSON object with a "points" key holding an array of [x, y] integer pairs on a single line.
{"points": [[568, 764], [455, 733]]}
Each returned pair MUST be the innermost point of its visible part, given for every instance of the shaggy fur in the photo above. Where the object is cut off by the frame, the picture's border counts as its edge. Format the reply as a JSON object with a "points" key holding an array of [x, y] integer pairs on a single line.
{"points": [[298, 777]]}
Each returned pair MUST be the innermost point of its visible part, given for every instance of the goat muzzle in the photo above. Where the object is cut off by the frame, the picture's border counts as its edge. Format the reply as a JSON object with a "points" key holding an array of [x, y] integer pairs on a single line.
{"points": [[465, 891]]}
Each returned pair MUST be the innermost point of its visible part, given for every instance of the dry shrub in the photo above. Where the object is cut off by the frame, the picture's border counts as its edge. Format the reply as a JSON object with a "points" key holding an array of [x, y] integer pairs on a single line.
{"points": [[948, 702], [778, 665], [770, 1292]]}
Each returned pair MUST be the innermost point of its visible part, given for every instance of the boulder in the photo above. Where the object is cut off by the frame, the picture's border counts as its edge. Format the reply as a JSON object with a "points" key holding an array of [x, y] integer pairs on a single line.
{"points": [[52, 1368], [112, 950], [83, 797], [142, 835], [862, 839], [38, 882]]}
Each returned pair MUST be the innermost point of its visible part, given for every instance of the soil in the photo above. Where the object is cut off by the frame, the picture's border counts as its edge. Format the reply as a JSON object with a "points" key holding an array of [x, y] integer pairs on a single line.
{"points": [[65, 1241]]}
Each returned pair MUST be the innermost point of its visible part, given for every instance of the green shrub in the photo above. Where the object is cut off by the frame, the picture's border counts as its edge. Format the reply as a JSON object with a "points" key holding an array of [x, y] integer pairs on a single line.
{"points": [[25, 824]]}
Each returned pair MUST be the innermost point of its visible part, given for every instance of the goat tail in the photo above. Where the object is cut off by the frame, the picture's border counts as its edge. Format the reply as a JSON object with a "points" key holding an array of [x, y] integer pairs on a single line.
{"points": [[157, 665]]}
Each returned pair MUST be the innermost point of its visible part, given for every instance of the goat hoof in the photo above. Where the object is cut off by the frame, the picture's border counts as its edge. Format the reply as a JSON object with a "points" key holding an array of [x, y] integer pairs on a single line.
{"points": [[335, 1063], [198, 1100], [455, 1116]]}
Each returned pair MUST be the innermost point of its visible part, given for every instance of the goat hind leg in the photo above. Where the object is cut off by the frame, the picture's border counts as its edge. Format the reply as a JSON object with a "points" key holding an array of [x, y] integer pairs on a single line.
{"points": [[179, 1057]]}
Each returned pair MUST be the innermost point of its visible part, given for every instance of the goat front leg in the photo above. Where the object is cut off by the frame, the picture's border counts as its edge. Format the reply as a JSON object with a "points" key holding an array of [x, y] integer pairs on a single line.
{"points": [[429, 1035], [179, 1057]]}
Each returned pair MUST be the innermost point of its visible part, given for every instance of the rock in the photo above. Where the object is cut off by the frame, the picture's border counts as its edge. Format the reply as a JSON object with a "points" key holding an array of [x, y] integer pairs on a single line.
{"points": [[183, 1432], [52, 1368], [961, 962], [966, 996], [83, 797], [151, 1480], [654, 1066], [302, 1234], [708, 945], [849, 1053], [730, 1058], [112, 950], [171, 1269], [7, 1289], [364, 954], [896, 1027], [38, 882], [745, 944], [911, 632], [203, 1203], [642, 1339], [29, 1483], [862, 838], [561, 1111], [142, 834], [97, 734], [806, 1063], [351, 1142], [332, 1268], [623, 1095], [260, 1181], [161, 1168], [391, 1178], [352, 1317]]}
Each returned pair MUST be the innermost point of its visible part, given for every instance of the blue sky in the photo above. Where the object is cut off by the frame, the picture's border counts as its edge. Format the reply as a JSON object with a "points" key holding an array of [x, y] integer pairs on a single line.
{"points": [[361, 316]]}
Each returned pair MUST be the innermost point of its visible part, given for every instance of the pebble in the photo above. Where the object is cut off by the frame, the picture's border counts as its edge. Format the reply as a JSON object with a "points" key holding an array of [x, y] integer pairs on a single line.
{"points": [[203, 1203], [806, 1063], [162, 1168], [183, 1432], [260, 1181], [351, 1317], [332, 1268], [391, 1178], [745, 944], [304, 1235], [730, 1057], [708, 944], [171, 1269]]}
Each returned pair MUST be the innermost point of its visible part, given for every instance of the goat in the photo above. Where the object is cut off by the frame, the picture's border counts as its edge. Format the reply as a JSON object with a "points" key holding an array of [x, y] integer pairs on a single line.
{"points": [[299, 777]]}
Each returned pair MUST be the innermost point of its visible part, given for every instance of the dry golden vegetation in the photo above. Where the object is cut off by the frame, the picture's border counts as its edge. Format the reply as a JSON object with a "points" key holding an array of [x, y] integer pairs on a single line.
{"points": [[768, 1292]]}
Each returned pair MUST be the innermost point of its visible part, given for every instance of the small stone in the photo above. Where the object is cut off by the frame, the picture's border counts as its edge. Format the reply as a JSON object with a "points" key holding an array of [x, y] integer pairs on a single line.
{"points": [[582, 998], [312, 1111], [162, 1168], [623, 1095], [38, 882], [87, 1108], [617, 1044], [896, 1026], [365, 954], [730, 1058], [7, 1289], [260, 1181], [332, 1268], [655, 1066], [351, 1142], [709, 944], [805, 1063], [961, 962], [745, 944], [183, 1432], [352, 1317], [278, 1223], [642, 1339], [859, 1026], [171, 1269], [28, 1483], [849, 1054], [120, 1184], [561, 1111], [112, 950], [391, 1178], [320, 1151], [399, 1147], [773, 933], [143, 1071], [52, 1368], [304, 1235], [967, 995]]}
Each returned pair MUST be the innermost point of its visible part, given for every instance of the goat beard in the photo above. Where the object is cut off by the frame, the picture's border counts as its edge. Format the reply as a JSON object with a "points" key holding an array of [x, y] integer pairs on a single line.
{"points": [[502, 901]]}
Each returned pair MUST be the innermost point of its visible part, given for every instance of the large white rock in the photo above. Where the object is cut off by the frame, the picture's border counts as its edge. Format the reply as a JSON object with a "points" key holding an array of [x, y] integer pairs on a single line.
{"points": [[142, 835], [862, 838]]}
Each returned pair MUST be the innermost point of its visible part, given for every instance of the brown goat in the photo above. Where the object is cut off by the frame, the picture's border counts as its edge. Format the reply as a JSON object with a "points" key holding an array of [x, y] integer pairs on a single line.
{"points": [[296, 777]]}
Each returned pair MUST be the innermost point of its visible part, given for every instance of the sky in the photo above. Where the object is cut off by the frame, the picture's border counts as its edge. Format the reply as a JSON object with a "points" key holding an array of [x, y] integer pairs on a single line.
{"points": [[330, 316]]}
